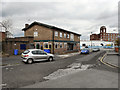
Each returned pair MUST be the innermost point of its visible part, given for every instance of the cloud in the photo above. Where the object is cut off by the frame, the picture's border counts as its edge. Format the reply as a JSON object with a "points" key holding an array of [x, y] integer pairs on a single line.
{"points": [[83, 16]]}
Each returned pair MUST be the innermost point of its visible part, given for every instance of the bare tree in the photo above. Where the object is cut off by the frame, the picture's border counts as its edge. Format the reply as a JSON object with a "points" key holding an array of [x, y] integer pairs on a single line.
{"points": [[6, 24]]}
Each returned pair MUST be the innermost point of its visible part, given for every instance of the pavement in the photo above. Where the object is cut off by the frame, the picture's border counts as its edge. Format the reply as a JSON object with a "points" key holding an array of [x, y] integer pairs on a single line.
{"points": [[112, 58], [89, 78]]}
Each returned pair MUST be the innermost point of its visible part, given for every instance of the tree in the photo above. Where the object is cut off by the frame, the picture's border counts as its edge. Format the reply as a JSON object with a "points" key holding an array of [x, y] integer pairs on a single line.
{"points": [[6, 24]]}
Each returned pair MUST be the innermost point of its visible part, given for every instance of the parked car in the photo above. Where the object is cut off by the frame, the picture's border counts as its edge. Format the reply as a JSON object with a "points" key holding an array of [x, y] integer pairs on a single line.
{"points": [[32, 55], [95, 49], [85, 51]]}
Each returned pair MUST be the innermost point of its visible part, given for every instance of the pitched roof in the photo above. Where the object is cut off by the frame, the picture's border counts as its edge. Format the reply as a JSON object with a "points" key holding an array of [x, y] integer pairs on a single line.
{"points": [[47, 26]]}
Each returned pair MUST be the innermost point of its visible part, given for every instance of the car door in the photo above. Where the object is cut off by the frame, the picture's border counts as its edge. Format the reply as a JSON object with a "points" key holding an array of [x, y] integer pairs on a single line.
{"points": [[42, 55], [35, 55]]}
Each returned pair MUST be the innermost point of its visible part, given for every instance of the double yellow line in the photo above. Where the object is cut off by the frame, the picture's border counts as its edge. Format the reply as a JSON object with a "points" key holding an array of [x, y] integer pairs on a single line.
{"points": [[108, 64]]}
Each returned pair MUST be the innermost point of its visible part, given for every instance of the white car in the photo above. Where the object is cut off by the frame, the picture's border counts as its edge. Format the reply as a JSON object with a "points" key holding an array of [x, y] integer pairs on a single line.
{"points": [[95, 49], [32, 55]]}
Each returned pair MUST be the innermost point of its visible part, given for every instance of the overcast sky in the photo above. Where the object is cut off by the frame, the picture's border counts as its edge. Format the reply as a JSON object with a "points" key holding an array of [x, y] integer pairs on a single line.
{"points": [[80, 16]]}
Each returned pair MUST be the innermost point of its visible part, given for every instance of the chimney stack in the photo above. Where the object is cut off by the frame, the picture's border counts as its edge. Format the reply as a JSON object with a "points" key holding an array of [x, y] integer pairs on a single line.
{"points": [[26, 25]]}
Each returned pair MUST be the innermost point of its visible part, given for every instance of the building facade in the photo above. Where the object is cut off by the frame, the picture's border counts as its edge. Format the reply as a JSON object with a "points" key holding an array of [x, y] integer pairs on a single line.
{"points": [[19, 43], [104, 36], [56, 39]]}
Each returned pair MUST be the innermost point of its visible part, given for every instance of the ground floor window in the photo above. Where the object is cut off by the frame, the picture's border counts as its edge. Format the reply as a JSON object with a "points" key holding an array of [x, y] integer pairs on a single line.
{"points": [[32, 46], [41, 47], [37, 46], [75, 44], [65, 44], [60, 45], [50, 46], [56, 45], [45, 45]]}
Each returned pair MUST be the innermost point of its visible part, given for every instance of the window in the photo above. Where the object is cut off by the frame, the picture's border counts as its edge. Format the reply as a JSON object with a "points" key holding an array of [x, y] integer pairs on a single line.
{"points": [[26, 52], [83, 44], [41, 53], [75, 44], [78, 37], [37, 46], [65, 44], [34, 52], [60, 45], [56, 33], [35, 34], [50, 46], [56, 45], [38, 52], [72, 37], [67, 35], [64, 35], [45, 45], [60, 34]]}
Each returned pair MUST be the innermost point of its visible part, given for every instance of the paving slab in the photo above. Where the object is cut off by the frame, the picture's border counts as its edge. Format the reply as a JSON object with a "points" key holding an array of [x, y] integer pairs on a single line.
{"points": [[112, 59]]}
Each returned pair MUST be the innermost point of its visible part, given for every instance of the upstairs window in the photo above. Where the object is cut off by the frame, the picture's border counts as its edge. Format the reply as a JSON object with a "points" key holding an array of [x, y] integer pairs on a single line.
{"points": [[35, 34], [72, 37], [56, 33], [64, 35], [60, 34], [67, 35]]}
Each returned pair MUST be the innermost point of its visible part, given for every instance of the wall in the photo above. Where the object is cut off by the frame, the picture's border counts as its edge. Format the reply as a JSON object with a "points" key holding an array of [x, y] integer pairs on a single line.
{"points": [[43, 33], [10, 44]]}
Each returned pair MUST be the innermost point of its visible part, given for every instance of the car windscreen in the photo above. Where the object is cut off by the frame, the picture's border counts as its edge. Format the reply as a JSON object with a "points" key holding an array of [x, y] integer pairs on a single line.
{"points": [[26, 52], [84, 49]]}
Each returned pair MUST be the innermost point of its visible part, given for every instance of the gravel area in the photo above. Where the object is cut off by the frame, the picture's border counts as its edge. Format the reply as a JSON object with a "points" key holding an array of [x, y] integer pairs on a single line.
{"points": [[73, 68]]}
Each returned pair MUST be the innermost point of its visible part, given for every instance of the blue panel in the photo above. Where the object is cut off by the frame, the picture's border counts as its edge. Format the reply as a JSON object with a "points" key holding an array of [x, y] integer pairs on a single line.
{"points": [[47, 50], [22, 46]]}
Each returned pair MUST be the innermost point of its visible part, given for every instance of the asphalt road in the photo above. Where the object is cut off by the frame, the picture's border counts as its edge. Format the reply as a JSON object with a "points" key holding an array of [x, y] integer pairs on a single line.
{"points": [[19, 74]]}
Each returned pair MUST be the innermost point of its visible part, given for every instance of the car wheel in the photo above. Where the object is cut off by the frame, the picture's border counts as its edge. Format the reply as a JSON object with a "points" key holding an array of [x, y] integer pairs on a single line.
{"points": [[50, 59], [29, 61]]}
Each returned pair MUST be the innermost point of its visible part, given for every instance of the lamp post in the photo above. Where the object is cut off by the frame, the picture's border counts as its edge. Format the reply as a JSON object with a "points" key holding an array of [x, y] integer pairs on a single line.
{"points": [[91, 41], [53, 42]]}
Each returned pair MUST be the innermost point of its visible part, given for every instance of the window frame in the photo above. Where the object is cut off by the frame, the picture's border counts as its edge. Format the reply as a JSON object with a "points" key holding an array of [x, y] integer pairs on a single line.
{"points": [[65, 35], [56, 33], [60, 34], [61, 44], [47, 45], [68, 35], [35, 34]]}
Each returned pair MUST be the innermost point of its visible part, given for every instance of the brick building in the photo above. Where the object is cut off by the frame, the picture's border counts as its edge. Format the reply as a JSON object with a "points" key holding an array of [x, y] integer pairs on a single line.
{"points": [[3, 36], [104, 36], [20, 43], [56, 39]]}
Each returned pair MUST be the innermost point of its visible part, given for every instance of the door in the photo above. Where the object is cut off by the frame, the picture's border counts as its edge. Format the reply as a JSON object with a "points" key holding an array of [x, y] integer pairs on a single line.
{"points": [[42, 55], [35, 55], [39, 55]]}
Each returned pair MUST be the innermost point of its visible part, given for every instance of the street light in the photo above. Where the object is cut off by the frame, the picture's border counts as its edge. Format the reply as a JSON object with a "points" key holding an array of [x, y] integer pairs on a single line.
{"points": [[91, 41]]}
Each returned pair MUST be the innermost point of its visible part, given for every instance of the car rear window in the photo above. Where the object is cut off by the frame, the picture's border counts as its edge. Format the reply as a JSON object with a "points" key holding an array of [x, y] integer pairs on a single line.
{"points": [[26, 52]]}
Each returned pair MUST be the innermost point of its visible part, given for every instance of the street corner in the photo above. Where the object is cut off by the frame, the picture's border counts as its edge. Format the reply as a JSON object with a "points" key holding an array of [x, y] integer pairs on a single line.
{"points": [[110, 59]]}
